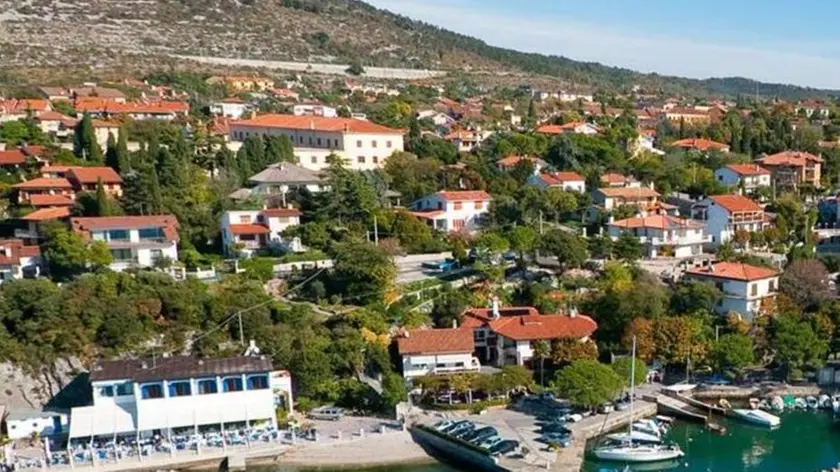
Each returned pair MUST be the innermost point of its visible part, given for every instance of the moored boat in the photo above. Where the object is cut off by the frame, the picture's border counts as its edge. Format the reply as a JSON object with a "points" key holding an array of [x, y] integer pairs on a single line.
{"points": [[758, 417], [777, 404], [812, 402], [825, 401], [639, 453], [635, 436]]}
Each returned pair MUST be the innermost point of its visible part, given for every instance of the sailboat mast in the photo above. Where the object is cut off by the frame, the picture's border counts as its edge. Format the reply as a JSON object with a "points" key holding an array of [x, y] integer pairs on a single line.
{"points": [[632, 386]]}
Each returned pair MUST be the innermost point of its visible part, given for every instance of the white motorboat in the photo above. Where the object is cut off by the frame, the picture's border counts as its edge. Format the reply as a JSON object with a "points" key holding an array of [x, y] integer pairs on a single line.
{"points": [[825, 401], [758, 417], [646, 426], [635, 436], [628, 451], [812, 402], [777, 403], [800, 403]]}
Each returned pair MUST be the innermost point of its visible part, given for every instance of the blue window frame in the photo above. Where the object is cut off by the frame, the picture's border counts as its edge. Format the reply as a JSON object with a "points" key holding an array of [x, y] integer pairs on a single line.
{"points": [[207, 387], [180, 388], [150, 233], [232, 384], [151, 391], [106, 391], [125, 389], [118, 235], [258, 382]]}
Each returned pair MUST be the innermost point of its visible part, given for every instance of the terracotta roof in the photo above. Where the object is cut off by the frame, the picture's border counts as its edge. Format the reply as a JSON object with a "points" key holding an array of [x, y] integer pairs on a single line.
{"points": [[59, 169], [281, 212], [734, 270], [733, 203], [43, 182], [50, 200], [511, 161], [11, 251], [51, 116], [613, 178], [560, 129], [526, 324], [21, 106], [12, 157], [630, 193], [30, 251], [317, 123], [436, 341], [167, 222], [177, 367], [33, 151], [249, 229], [465, 195], [91, 175], [664, 222], [558, 178], [748, 169], [699, 144], [789, 158], [46, 214], [99, 105]]}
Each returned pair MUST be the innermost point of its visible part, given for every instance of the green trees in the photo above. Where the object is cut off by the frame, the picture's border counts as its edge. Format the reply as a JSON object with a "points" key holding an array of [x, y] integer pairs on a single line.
{"points": [[116, 153], [623, 366], [84, 141], [587, 383], [732, 351], [628, 247], [363, 271], [542, 350], [796, 344], [68, 255], [570, 249]]}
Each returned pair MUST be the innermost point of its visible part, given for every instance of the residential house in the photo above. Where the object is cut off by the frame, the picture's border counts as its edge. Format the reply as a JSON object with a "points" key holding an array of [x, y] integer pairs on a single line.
{"points": [[436, 351], [792, 169], [571, 181], [616, 180], [453, 210], [726, 215], [663, 235], [86, 179], [24, 423], [750, 177], [569, 128], [747, 289], [466, 141], [166, 110], [13, 110], [613, 197], [314, 109], [67, 182], [441, 120], [247, 232], [243, 84], [506, 335], [279, 179], [13, 159], [44, 186], [149, 397], [30, 235], [362, 144], [18, 260], [810, 107], [507, 163], [644, 143], [233, 108], [83, 91], [134, 241], [700, 144], [55, 124], [689, 116]]}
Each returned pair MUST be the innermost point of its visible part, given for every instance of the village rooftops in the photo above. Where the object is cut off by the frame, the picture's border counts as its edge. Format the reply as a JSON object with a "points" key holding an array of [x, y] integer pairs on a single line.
{"points": [[436, 341], [790, 158], [663, 222], [287, 173], [46, 200], [176, 367], [44, 182], [736, 203], [512, 161], [734, 271], [92, 175], [526, 324], [465, 195], [565, 128], [48, 214], [12, 157], [12, 250], [700, 144], [614, 178], [628, 193], [316, 123], [748, 169], [558, 178]]}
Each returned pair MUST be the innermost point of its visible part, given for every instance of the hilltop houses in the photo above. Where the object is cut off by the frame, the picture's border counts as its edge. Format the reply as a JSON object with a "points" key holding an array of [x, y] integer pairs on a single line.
{"points": [[750, 177], [663, 235], [726, 215], [571, 181], [453, 210], [792, 169], [746, 288]]}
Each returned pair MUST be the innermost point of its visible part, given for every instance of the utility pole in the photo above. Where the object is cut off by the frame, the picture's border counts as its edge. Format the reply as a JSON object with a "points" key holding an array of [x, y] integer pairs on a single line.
{"points": [[541, 222], [241, 333], [375, 231], [717, 333]]}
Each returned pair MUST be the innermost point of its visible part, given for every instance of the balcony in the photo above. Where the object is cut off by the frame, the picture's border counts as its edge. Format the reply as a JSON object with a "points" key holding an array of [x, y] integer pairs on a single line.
{"points": [[678, 240], [26, 234], [474, 366]]}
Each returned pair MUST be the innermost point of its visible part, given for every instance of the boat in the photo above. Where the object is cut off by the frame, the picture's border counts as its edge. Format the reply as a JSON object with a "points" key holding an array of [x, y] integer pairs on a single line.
{"points": [[812, 402], [724, 403], [635, 436], [757, 417], [647, 426], [669, 420], [754, 402], [628, 451], [777, 404], [800, 403], [825, 401]]}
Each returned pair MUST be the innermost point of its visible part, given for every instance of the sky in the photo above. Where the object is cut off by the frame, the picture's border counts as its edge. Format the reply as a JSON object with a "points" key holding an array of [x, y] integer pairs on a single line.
{"points": [[769, 40]]}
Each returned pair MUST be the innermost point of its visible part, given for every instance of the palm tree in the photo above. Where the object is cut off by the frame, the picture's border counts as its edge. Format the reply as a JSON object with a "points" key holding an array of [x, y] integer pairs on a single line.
{"points": [[541, 351]]}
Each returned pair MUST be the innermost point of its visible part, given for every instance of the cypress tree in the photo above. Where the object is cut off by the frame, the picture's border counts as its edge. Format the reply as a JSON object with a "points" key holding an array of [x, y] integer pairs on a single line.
{"points": [[123, 158], [84, 141], [111, 153], [103, 203]]}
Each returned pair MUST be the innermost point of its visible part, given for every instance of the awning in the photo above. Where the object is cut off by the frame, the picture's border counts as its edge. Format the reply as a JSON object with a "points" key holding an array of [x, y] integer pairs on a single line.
{"points": [[102, 420]]}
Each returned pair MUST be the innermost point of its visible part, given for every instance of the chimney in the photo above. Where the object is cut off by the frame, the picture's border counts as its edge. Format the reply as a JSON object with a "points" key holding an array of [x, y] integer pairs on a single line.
{"points": [[494, 306], [311, 125], [406, 334], [455, 324]]}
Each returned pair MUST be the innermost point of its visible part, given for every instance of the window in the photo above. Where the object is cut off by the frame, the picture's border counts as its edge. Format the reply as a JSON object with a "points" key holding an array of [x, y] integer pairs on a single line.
{"points": [[753, 289], [232, 384], [314, 159], [244, 219], [300, 139], [389, 144], [247, 237], [373, 143], [118, 235], [458, 224], [772, 285], [151, 391], [458, 206], [257, 382], [156, 254], [125, 389], [359, 143], [98, 236], [181, 388], [336, 143], [375, 159], [479, 205], [319, 141], [310, 140], [360, 159], [121, 255], [207, 387], [106, 391]]}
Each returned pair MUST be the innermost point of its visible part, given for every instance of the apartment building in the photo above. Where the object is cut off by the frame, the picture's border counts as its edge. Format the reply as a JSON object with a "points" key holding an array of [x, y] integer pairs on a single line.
{"points": [[67, 182], [247, 232], [663, 235], [362, 144], [749, 176], [134, 241], [792, 169], [436, 352], [746, 288], [453, 210], [726, 215]]}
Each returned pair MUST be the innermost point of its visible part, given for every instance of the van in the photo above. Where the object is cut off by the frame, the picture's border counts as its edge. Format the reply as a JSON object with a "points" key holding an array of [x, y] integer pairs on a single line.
{"points": [[327, 413]]}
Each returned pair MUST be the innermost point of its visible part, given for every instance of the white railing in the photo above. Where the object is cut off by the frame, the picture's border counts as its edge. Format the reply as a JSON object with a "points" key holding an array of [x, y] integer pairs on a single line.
{"points": [[680, 241]]}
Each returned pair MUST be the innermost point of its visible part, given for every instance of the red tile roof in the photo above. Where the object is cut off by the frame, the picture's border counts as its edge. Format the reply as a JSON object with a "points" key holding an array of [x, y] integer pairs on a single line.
{"points": [[249, 229], [613, 178], [99, 105], [50, 200], [46, 214], [436, 341], [51, 116], [663, 222], [558, 178], [629, 193], [12, 250], [317, 123], [560, 129], [734, 270], [699, 144], [12, 157], [465, 195], [281, 212], [21, 106], [167, 222], [91, 175], [733, 203], [789, 158], [43, 182], [511, 161], [526, 324], [748, 169]]}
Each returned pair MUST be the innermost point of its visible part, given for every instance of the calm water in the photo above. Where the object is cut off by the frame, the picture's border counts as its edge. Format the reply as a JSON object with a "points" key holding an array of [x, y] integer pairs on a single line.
{"points": [[407, 468], [807, 441]]}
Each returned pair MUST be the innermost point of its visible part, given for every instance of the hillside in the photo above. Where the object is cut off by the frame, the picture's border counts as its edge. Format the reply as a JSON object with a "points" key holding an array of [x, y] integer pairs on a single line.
{"points": [[108, 33]]}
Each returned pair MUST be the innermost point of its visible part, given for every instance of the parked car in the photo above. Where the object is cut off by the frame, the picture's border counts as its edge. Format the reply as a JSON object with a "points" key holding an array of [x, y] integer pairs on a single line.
{"points": [[480, 434], [452, 426], [488, 443], [504, 447], [327, 413]]}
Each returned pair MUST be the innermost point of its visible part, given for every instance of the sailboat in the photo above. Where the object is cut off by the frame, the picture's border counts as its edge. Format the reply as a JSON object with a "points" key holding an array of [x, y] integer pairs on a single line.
{"points": [[629, 451]]}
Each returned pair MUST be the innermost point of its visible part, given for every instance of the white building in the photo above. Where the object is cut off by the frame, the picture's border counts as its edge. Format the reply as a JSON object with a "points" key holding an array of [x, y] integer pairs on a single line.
{"points": [[18, 261], [310, 109], [232, 108], [746, 288], [143, 397], [436, 351], [134, 241], [663, 235], [466, 141], [280, 178], [453, 210], [506, 336], [25, 423], [569, 128], [571, 181], [725, 215], [247, 232], [439, 119], [752, 176], [362, 144]]}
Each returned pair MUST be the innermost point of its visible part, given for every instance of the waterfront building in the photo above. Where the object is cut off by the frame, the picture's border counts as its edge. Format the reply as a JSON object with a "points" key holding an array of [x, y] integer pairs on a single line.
{"points": [[436, 351], [134, 241], [747, 289]]}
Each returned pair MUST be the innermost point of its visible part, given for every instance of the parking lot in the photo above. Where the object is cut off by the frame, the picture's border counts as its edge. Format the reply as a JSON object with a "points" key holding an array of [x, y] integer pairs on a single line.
{"points": [[348, 427]]}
